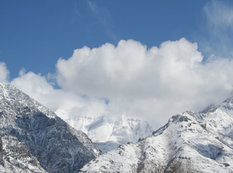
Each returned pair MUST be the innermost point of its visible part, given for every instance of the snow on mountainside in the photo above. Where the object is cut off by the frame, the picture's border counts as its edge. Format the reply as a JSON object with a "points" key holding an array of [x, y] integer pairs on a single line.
{"points": [[34, 139], [109, 133], [15, 157], [189, 142]]}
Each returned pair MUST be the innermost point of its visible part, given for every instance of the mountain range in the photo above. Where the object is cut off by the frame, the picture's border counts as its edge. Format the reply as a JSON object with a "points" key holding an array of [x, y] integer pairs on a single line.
{"points": [[189, 143], [33, 139]]}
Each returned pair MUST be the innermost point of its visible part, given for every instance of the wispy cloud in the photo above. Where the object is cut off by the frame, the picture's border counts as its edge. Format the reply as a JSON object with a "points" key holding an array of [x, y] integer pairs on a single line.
{"points": [[218, 29], [103, 17], [219, 14], [93, 6]]}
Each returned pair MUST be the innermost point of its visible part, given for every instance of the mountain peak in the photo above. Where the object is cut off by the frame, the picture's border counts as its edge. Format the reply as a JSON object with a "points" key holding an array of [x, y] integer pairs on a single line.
{"points": [[53, 144]]}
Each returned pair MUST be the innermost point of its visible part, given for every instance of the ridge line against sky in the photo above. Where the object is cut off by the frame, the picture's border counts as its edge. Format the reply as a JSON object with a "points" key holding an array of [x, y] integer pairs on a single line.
{"points": [[121, 76]]}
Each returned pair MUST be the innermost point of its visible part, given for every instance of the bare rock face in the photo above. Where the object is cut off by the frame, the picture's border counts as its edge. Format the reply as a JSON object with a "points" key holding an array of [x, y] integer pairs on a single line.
{"points": [[40, 134], [188, 143]]}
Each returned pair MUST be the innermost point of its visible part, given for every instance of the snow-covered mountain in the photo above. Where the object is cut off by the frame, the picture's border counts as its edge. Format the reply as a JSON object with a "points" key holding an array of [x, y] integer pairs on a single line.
{"points": [[109, 133], [189, 142], [34, 139]]}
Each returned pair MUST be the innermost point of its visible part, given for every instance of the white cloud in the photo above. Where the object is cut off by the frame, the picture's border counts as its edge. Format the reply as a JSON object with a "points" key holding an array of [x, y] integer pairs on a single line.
{"points": [[4, 73], [66, 104], [33, 84], [148, 83]]}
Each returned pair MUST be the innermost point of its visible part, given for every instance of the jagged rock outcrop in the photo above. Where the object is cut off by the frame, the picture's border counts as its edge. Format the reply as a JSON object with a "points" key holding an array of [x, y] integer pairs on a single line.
{"points": [[39, 135], [188, 143]]}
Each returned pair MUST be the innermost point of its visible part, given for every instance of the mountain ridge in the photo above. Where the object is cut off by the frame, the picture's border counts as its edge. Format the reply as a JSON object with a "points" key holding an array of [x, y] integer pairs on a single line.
{"points": [[189, 142]]}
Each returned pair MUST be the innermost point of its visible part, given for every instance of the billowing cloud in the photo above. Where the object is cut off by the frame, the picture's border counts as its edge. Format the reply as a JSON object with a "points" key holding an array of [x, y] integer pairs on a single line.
{"points": [[3, 72], [150, 83], [131, 79]]}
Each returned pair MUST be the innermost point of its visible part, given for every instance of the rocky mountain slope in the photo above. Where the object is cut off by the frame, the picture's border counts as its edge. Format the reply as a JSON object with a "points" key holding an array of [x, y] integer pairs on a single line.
{"points": [[34, 139], [15, 156], [189, 142]]}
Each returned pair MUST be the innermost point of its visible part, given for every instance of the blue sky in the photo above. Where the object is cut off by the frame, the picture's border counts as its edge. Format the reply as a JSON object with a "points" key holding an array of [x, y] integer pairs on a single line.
{"points": [[143, 57], [34, 34]]}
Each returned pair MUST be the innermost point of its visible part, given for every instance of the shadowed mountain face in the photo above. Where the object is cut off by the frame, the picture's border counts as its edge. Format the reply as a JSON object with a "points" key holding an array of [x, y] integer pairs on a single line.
{"points": [[189, 142], [1, 153], [48, 140]]}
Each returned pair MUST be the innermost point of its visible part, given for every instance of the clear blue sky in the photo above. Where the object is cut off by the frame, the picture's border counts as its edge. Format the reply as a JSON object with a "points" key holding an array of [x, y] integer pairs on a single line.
{"points": [[35, 33]]}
